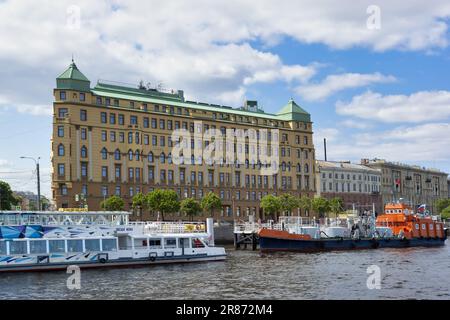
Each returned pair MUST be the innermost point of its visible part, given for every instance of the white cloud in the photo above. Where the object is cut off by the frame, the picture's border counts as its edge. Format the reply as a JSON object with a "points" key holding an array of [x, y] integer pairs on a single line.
{"points": [[33, 109], [202, 47], [338, 82], [415, 108], [349, 123], [415, 145]]}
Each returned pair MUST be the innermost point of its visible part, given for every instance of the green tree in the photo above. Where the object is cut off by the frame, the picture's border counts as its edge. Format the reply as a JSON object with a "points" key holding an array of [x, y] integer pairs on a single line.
{"points": [[163, 201], [139, 202], [320, 205], [211, 202], [445, 214], [305, 203], [336, 206], [288, 202], [442, 204], [190, 207], [113, 203], [271, 205], [7, 198]]}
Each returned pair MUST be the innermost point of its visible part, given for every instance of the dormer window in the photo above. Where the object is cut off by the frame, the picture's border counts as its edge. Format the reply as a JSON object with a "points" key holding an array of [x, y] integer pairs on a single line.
{"points": [[62, 95], [82, 96]]}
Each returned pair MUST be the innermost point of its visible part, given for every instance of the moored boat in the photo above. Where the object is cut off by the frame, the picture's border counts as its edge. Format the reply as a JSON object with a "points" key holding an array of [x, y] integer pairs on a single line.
{"points": [[32, 241], [397, 227]]}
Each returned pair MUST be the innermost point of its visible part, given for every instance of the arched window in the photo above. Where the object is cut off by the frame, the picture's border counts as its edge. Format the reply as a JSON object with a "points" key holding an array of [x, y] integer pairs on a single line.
{"points": [[283, 166], [289, 166], [306, 168], [130, 155], [137, 155], [150, 156], [162, 157], [137, 137], [104, 153], [61, 150], [83, 152], [192, 159], [299, 167], [246, 163], [117, 154], [169, 158]]}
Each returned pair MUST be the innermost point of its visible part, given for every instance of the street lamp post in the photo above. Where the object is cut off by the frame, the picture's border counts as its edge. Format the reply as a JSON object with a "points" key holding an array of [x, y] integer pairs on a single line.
{"points": [[36, 161]]}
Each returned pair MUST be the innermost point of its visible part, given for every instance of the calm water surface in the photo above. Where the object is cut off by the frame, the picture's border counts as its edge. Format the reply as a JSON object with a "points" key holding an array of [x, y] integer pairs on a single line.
{"points": [[415, 273]]}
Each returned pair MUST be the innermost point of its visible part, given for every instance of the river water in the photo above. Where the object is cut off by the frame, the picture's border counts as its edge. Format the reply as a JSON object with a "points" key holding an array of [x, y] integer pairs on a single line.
{"points": [[415, 273]]}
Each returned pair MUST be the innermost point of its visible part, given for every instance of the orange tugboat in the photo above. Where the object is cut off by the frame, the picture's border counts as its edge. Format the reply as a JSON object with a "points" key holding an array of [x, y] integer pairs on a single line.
{"points": [[397, 227]]}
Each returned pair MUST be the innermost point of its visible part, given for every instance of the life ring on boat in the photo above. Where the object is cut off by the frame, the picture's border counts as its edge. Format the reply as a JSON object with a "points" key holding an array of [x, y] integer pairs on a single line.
{"points": [[152, 258], [102, 260]]}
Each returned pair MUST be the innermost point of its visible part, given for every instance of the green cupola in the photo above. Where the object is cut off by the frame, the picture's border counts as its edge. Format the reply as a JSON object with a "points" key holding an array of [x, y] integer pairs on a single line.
{"points": [[73, 79], [293, 112]]}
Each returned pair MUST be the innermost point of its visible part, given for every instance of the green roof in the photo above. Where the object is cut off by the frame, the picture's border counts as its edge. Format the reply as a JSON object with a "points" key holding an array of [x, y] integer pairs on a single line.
{"points": [[73, 79], [293, 111]]}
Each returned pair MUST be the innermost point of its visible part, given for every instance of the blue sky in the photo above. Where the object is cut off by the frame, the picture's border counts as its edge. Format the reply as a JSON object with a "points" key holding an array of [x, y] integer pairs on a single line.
{"points": [[379, 92]]}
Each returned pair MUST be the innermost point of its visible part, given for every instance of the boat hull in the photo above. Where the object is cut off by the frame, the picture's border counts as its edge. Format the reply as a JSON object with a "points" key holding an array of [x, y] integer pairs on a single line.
{"points": [[268, 244], [111, 263]]}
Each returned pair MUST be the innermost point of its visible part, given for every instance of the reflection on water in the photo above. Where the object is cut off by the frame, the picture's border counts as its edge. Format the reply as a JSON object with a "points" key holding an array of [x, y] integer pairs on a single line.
{"points": [[418, 273]]}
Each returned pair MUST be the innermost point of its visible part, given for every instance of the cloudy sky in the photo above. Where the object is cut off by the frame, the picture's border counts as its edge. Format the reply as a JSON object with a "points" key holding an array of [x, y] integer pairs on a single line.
{"points": [[374, 75]]}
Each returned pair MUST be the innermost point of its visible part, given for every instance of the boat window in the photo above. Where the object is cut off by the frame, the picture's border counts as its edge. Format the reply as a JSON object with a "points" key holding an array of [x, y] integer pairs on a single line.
{"points": [[92, 244], [38, 246], [170, 243], [109, 244], [2, 247], [197, 243], [74, 245], [155, 243], [56, 246], [140, 243], [18, 247], [183, 242]]}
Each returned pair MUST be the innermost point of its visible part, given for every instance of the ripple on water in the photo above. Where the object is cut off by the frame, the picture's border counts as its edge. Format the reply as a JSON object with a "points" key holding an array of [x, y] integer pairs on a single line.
{"points": [[406, 274]]}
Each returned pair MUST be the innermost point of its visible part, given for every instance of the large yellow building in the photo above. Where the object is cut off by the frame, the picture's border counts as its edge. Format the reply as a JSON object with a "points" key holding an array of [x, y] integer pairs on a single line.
{"points": [[116, 139]]}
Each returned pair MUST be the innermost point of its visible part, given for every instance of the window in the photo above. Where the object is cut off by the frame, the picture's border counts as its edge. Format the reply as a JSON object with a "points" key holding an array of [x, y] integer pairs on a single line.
{"points": [[104, 138], [74, 245], [146, 122], [107, 101], [130, 173], [161, 124], [83, 133], [109, 244], [162, 157], [117, 172], [153, 123], [133, 120], [104, 154], [130, 155], [83, 152], [61, 131], [170, 243], [63, 189], [150, 157], [116, 102], [146, 139], [121, 119], [104, 172], [83, 115], [154, 141], [118, 190], [137, 155], [112, 118], [62, 95], [61, 150], [56, 246], [62, 112], [104, 191], [82, 96], [130, 137], [92, 245], [103, 117], [112, 137], [84, 169], [117, 154], [121, 137], [2, 247], [99, 100], [17, 247], [61, 169]]}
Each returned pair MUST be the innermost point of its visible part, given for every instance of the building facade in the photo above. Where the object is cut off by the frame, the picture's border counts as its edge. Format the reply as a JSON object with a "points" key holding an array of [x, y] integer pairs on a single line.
{"points": [[116, 140], [357, 185], [414, 184]]}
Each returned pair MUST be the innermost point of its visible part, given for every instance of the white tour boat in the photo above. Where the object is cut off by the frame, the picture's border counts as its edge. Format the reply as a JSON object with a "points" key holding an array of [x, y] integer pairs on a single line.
{"points": [[56, 240]]}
